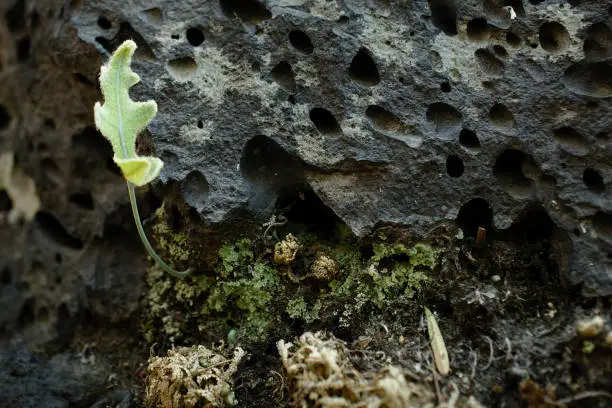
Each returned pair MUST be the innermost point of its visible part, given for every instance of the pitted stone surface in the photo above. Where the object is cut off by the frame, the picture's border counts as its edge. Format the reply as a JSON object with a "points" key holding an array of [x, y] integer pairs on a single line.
{"points": [[391, 112]]}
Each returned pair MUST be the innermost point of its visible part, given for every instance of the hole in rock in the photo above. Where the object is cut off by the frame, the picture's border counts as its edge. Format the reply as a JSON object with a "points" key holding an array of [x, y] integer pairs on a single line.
{"points": [[182, 69], [5, 118], [268, 168], [508, 170], [445, 87], [384, 120], [301, 41], [469, 139], [548, 182], [454, 166], [475, 213], [249, 11], [363, 68], [291, 99], [144, 144], [104, 23], [6, 204], [6, 276], [64, 325], [488, 85], [553, 37], [43, 314], [500, 51], [445, 119], [16, 16], [517, 6], [114, 231], [84, 144], [23, 49], [571, 140], [283, 75], [478, 29], [488, 62], [387, 123], [602, 224], [602, 137], [127, 32], [513, 40], [306, 212], [56, 232], [82, 79], [444, 15], [598, 44], [200, 124], [26, 316], [589, 78], [83, 200], [35, 20], [324, 121], [501, 117], [52, 171], [195, 189], [154, 15], [58, 258], [593, 180], [195, 36], [532, 225]]}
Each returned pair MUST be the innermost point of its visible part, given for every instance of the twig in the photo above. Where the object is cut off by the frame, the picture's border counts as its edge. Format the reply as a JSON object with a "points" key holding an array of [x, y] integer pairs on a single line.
{"points": [[436, 385], [491, 353], [509, 349], [274, 222], [583, 395], [474, 365]]}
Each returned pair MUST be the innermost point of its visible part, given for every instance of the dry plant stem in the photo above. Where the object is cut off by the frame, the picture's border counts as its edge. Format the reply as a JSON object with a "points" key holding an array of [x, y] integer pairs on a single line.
{"points": [[583, 395], [145, 241]]}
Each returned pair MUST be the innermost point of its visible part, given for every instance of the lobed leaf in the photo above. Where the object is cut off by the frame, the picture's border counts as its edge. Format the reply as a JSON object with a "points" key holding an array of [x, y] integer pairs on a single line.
{"points": [[120, 119]]}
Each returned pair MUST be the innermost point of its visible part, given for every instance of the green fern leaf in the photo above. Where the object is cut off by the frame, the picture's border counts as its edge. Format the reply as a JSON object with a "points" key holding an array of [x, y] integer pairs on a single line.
{"points": [[121, 119]]}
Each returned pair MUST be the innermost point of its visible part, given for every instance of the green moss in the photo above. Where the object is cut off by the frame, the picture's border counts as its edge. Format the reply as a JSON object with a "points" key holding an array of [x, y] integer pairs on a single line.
{"points": [[252, 294], [239, 295], [247, 294], [234, 256], [299, 309], [174, 244], [394, 273]]}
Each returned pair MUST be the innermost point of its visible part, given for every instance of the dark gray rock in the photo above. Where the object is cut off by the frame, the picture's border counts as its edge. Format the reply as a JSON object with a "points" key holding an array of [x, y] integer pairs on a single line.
{"points": [[28, 380], [117, 399], [391, 112], [70, 255]]}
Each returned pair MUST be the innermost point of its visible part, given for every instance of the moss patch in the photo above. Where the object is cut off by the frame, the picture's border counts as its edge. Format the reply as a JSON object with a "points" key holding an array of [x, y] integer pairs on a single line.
{"points": [[238, 296], [396, 273]]}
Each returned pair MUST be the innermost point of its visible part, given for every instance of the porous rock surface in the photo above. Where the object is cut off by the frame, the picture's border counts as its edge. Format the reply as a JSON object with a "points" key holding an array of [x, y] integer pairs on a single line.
{"points": [[391, 112]]}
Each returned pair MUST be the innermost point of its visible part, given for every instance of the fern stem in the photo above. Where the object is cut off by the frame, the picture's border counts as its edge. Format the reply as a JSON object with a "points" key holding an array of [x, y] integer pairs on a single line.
{"points": [[145, 241]]}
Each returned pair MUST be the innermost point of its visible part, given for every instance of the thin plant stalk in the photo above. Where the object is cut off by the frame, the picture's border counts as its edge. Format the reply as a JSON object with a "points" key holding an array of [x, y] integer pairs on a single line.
{"points": [[145, 241]]}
